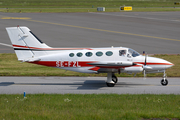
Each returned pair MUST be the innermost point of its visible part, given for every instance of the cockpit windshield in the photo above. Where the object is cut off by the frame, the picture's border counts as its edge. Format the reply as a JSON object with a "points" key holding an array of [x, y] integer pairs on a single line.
{"points": [[133, 52]]}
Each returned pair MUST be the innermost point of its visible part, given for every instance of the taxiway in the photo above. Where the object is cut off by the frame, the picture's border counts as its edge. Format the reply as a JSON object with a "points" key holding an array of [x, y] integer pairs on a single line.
{"points": [[153, 32], [86, 85]]}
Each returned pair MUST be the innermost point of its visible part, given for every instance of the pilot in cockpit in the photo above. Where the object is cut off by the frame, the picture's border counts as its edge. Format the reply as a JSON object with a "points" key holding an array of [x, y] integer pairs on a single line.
{"points": [[122, 52]]}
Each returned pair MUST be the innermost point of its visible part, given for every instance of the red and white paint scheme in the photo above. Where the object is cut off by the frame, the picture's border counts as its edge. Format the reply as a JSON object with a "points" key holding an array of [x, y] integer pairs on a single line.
{"points": [[110, 60]]}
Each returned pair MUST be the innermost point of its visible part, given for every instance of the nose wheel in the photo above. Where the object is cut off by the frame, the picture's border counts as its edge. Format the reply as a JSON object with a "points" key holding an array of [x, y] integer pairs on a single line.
{"points": [[164, 81]]}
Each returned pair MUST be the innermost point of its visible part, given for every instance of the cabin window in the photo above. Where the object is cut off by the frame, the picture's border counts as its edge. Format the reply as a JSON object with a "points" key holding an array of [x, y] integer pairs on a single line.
{"points": [[71, 54], [122, 52], [99, 54], [79, 54], [89, 54], [109, 53]]}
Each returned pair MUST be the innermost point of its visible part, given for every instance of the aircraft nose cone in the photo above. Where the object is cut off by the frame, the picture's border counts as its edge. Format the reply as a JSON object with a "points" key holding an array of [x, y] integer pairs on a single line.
{"points": [[169, 64], [158, 63], [166, 64]]}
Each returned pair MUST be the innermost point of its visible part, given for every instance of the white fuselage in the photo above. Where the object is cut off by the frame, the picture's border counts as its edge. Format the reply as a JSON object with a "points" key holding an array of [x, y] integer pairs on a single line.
{"points": [[80, 60]]}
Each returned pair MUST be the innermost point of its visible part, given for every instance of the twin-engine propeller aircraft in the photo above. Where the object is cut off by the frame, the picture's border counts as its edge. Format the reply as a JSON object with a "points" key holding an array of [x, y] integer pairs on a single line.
{"points": [[29, 48]]}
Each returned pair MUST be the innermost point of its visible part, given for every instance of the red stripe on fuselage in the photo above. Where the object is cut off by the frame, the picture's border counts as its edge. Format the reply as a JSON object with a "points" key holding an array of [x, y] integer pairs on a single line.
{"points": [[64, 63], [95, 68], [154, 63], [46, 63], [85, 64], [19, 46]]}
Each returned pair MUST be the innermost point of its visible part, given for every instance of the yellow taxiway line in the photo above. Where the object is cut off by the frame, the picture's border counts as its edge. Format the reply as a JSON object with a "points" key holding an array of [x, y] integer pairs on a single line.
{"points": [[18, 18], [104, 30]]}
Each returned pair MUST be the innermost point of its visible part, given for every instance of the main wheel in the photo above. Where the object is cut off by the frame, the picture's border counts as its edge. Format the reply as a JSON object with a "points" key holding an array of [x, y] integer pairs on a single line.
{"points": [[110, 84], [164, 82], [114, 79]]}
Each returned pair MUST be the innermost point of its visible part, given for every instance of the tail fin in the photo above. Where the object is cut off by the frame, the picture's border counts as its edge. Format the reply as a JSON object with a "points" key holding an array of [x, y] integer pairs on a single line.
{"points": [[25, 43]]}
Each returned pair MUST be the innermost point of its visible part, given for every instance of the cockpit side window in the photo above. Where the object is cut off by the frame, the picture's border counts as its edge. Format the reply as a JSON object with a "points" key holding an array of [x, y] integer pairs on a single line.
{"points": [[122, 52], [133, 52]]}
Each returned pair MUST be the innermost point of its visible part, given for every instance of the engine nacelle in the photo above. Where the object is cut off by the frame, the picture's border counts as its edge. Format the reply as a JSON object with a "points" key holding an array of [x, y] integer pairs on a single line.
{"points": [[132, 69]]}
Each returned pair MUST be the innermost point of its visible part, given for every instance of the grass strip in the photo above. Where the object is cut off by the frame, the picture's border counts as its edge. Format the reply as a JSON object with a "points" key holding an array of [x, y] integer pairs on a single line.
{"points": [[9, 66], [89, 106], [85, 3], [28, 6], [72, 10]]}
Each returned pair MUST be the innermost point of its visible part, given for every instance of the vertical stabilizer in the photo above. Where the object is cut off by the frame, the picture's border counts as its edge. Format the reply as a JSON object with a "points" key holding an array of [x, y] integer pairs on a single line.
{"points": [[25, 43]]}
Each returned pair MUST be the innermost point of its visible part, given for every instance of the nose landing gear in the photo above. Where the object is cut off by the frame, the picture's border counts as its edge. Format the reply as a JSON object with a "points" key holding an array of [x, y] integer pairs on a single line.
{"points": [[164, 81]]}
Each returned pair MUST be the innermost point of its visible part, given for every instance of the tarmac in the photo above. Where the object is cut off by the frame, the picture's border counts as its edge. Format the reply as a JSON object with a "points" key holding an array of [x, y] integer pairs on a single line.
{"points": [[86, 85], [153, 32]]}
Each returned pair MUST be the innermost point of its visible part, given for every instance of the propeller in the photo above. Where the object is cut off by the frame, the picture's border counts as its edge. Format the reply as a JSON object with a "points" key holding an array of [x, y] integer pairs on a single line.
{"points": [[144, 67]]}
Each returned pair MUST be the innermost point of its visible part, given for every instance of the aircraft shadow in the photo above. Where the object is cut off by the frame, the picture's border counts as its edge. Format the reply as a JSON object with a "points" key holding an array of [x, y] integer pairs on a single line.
{"points": [[92, 85], [12, 83], [86, 85], [97, 84], [6, 83]]}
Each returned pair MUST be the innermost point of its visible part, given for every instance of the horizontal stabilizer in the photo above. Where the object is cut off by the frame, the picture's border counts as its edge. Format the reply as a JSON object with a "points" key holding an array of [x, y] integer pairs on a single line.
{"points": [[30, 60], [23, 35]]}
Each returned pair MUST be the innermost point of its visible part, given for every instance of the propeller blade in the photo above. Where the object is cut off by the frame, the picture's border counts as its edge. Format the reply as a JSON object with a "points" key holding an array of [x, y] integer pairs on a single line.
{"points": [[144, 74], [144, 67], [145, 58]]}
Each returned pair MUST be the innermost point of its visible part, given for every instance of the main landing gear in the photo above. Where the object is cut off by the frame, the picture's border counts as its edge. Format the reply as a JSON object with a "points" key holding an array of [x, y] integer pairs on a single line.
{"points": [[164, 81], [111, 79]]}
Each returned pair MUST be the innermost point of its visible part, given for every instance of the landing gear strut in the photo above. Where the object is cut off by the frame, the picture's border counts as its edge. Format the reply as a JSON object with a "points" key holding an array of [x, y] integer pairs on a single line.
{"points": [[164, 81], [111, 79]]}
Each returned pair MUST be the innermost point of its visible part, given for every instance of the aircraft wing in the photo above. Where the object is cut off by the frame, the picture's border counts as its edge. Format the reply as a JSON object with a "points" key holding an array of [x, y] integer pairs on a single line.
{"points": [[112, 64], [106, 66]]}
